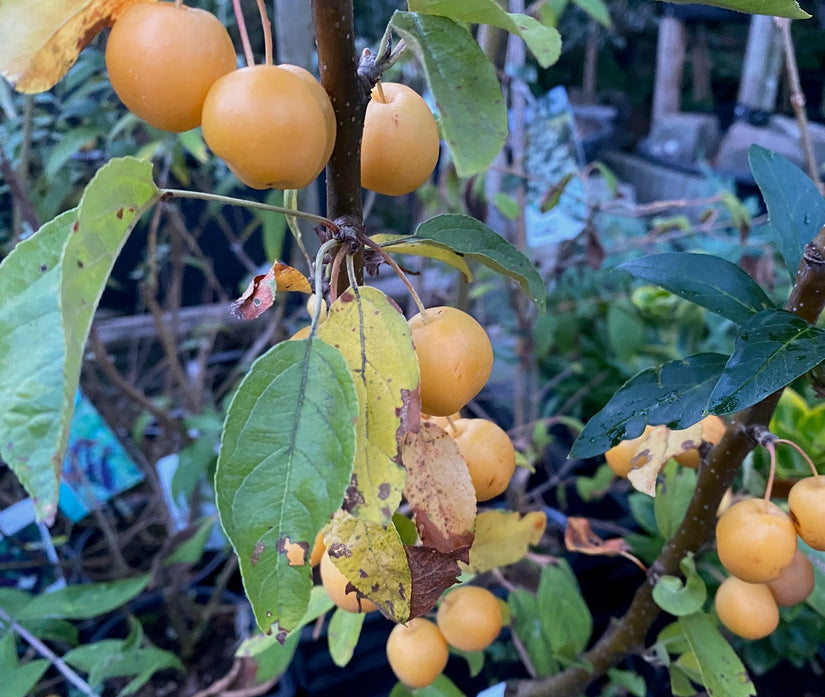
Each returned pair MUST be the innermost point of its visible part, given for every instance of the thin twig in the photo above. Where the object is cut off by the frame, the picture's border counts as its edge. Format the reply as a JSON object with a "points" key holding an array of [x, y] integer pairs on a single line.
{"points": [[247, 46], [48, 654]]}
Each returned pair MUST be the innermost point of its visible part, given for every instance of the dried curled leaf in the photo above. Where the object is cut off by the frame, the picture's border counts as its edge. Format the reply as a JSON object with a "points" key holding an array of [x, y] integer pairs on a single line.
{"points": [[41, 39], [656, 449], [260, 293], [579, 537]]}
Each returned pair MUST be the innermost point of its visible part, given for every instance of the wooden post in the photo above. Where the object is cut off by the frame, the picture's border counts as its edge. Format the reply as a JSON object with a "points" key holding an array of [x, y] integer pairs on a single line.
{"points": [[761, 67], [670, 64]]}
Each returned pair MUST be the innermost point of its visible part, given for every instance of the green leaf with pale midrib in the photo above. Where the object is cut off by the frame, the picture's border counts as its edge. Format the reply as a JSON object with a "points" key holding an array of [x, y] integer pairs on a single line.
{"points": [[475, 240], [776, 8], [772, 349], [543, 41], [284, 465], [709, 281], [465, 87], [675, 394]]}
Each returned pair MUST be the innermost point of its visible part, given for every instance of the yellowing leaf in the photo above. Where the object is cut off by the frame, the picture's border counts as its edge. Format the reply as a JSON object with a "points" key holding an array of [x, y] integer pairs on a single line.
{"points": [[373, 559], [41, 39], [260, 293], [371, 333], [656, 449], [439, 489], [404, 244], [502, 538]]}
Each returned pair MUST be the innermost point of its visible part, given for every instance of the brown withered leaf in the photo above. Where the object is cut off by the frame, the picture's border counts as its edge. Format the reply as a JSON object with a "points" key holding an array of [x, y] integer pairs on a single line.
{"points": [[41, 39], [438, 489], [260, 293], [432, 572], [579, 537]]}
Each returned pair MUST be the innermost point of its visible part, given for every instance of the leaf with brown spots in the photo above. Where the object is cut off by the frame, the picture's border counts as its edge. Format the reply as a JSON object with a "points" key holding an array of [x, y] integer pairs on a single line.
{"points": [[373, 560], [439, 489], [579, 537], [656, 449], [432, 573], [503, 537], [260, 293], [41, 39]]}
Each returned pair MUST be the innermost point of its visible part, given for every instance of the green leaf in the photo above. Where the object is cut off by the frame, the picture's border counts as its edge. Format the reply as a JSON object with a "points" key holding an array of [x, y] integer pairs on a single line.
{"points": [[673, 497], [69, 144], [722, 672], [274, 657], [343, 634], [681, 598], [633, 683], [675, 394], [80, 602], [772, 349], [32, 353], [284, 464], [465, 87], [564, 614], [442, 686], [598, 10], [507, 205], [18, 680], [544, 42], [710, 281], [49, 288], [474, 240], [777, 8], [528, 627], [190, 550], [796, 209], [404, 244]]}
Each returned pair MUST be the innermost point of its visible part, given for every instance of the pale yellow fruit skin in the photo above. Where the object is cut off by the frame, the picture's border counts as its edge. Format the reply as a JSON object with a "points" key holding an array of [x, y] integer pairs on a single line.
{"points": [[489, 454], [162, 61], [335, 584], [470, 618], [807, 503], [267, 124], [620, 455], [400, 146], [455, 358], [713, 428], [756, 540], [796, 583], [417, 652], [747, 609]]}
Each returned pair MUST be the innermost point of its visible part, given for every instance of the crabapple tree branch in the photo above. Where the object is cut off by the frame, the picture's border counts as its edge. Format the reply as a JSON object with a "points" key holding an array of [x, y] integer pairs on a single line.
{"points": [[627, 635]]}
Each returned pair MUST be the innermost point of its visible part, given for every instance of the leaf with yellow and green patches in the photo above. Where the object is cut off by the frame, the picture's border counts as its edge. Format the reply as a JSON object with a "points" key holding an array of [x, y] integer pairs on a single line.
{"points": [[439, 489], [404, 244], [41, 39], [370, 332], [373, 559]]}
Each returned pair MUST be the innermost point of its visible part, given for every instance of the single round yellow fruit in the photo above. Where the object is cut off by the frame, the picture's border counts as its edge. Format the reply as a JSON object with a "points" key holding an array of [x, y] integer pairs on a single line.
{"points": [[756, 540], [747, 609], [268, 124], [162, 60], [807, 503], [399, 150], [489, 454], [455, 358], [336, 584], [470, 618], [417, 652], [619, 457], [796, 583], [713, 428]]}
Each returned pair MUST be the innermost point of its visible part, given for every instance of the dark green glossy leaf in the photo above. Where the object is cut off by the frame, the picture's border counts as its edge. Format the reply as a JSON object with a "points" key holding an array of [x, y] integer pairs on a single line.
{"points": [[475, 240], [284, 465], [777, 8], [675, 394], [772, 349], [464, 84], [710, 281], [796, 209], [722, 672], [544, 42]]}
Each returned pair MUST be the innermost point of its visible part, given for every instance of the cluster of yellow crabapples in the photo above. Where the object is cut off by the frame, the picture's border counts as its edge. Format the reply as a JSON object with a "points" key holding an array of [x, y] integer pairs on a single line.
{"points": [[757, 543], [455, 360], [274, 125]]}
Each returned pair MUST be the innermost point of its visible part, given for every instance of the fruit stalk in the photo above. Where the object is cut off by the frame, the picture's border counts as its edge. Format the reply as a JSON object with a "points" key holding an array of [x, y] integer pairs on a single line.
{"points": [[627, 635], [338, 67]]}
